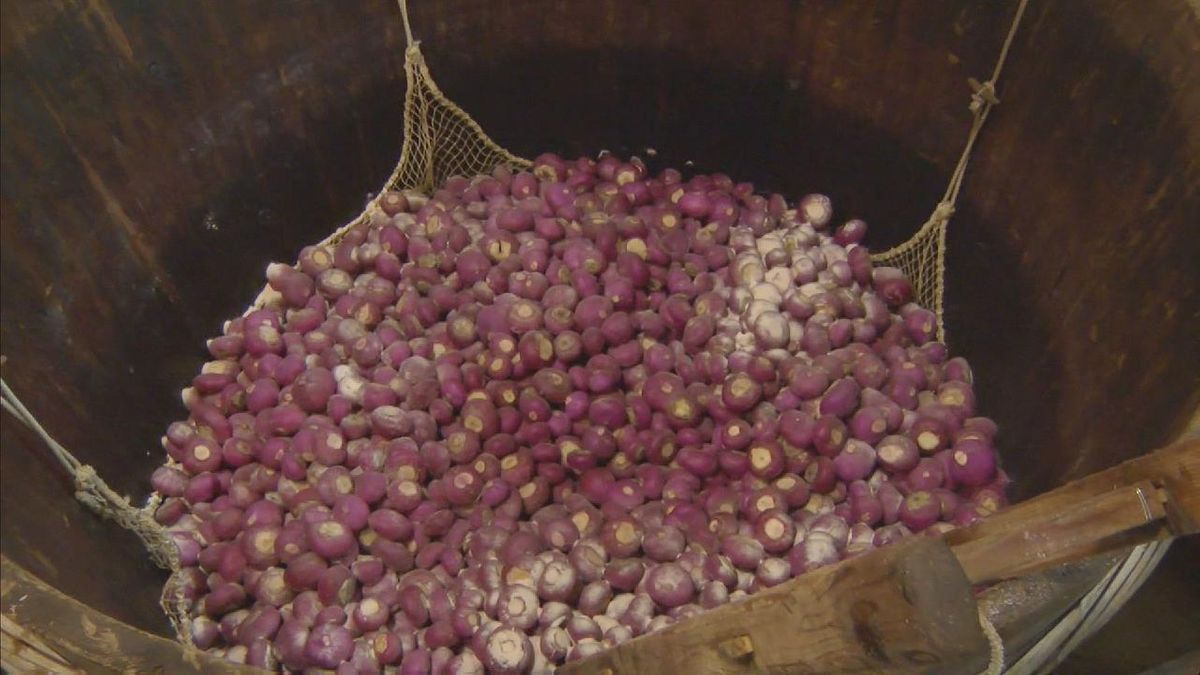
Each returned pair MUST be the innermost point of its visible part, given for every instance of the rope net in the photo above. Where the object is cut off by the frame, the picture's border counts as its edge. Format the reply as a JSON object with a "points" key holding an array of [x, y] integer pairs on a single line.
{"points": [[440, 138], [97, 496], [923, 260]]}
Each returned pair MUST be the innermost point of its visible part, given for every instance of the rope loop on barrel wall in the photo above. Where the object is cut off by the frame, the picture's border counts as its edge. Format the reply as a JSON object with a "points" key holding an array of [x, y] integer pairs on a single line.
{"points": [[923, 256], [94, 493], [98, 497]]}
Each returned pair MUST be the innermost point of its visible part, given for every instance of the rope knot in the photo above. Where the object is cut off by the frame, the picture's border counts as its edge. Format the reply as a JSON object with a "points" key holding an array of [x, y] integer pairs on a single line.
{"points": [[85, 478], [942, 212], [983, 94]]}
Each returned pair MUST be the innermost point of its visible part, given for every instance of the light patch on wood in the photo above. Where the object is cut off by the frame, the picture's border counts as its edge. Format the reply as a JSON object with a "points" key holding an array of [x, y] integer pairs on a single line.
{"points": [[112, 28], [738, 647], [103, 636]]}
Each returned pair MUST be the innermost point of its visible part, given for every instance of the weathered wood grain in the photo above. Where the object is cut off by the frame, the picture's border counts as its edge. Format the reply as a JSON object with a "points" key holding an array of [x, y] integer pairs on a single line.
{"points": [[68, 631], [903, 609], [1144, 499]]}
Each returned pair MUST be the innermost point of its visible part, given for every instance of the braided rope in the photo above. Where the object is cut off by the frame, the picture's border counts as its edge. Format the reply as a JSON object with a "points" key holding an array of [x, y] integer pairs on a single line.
{"points": [[1092, 611], [923, 256], [98, 497], [995, 645]]}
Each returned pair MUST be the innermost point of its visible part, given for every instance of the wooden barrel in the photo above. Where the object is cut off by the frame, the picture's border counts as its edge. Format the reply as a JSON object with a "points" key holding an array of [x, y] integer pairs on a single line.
{"points": [[157, 155]]}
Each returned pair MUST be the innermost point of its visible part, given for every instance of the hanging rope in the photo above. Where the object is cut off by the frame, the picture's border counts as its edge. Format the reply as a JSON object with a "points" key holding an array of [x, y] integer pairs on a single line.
{"points": [[923, 256], [408, 34], [97, 496], [440, 138], [94, 493]]}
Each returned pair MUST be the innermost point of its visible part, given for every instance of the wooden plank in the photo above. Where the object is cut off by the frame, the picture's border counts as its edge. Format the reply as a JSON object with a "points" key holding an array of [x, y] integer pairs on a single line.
{"points": [[1116, 519], [1153, 497], [23, 652], [903, 609], [88, 640]]}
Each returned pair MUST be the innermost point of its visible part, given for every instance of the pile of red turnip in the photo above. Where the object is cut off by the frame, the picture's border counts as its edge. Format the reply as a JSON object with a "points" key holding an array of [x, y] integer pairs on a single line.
{"points": [[538, 414]]}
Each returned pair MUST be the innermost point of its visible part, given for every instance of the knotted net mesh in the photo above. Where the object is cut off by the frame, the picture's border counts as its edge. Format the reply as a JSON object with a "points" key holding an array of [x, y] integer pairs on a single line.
{"points": [[923, 259], [440, 138]]}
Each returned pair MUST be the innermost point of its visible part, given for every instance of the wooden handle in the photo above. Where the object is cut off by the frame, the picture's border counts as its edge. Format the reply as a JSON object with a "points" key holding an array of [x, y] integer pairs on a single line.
{"points": [[1153, 497], [1119, 518]]}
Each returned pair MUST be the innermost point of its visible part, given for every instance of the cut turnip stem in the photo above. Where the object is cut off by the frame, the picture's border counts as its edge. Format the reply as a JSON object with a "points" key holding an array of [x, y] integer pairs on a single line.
{"points": [[518, 607], [974, 462], [794, 489], [897, 454], [920, 510], [740, 392], [930, 434], [369, 615], [829, 435], [508, 652], [762, 500], [767, 460], [820, 475], [869, 424], [622, 536], [958, 396], [816, 210], [775, 530], [560, 533]]}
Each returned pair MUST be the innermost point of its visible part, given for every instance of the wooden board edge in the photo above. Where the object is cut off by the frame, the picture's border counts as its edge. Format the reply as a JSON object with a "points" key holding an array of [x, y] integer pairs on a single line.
{"points": [[90, 640], [940, 606]]}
